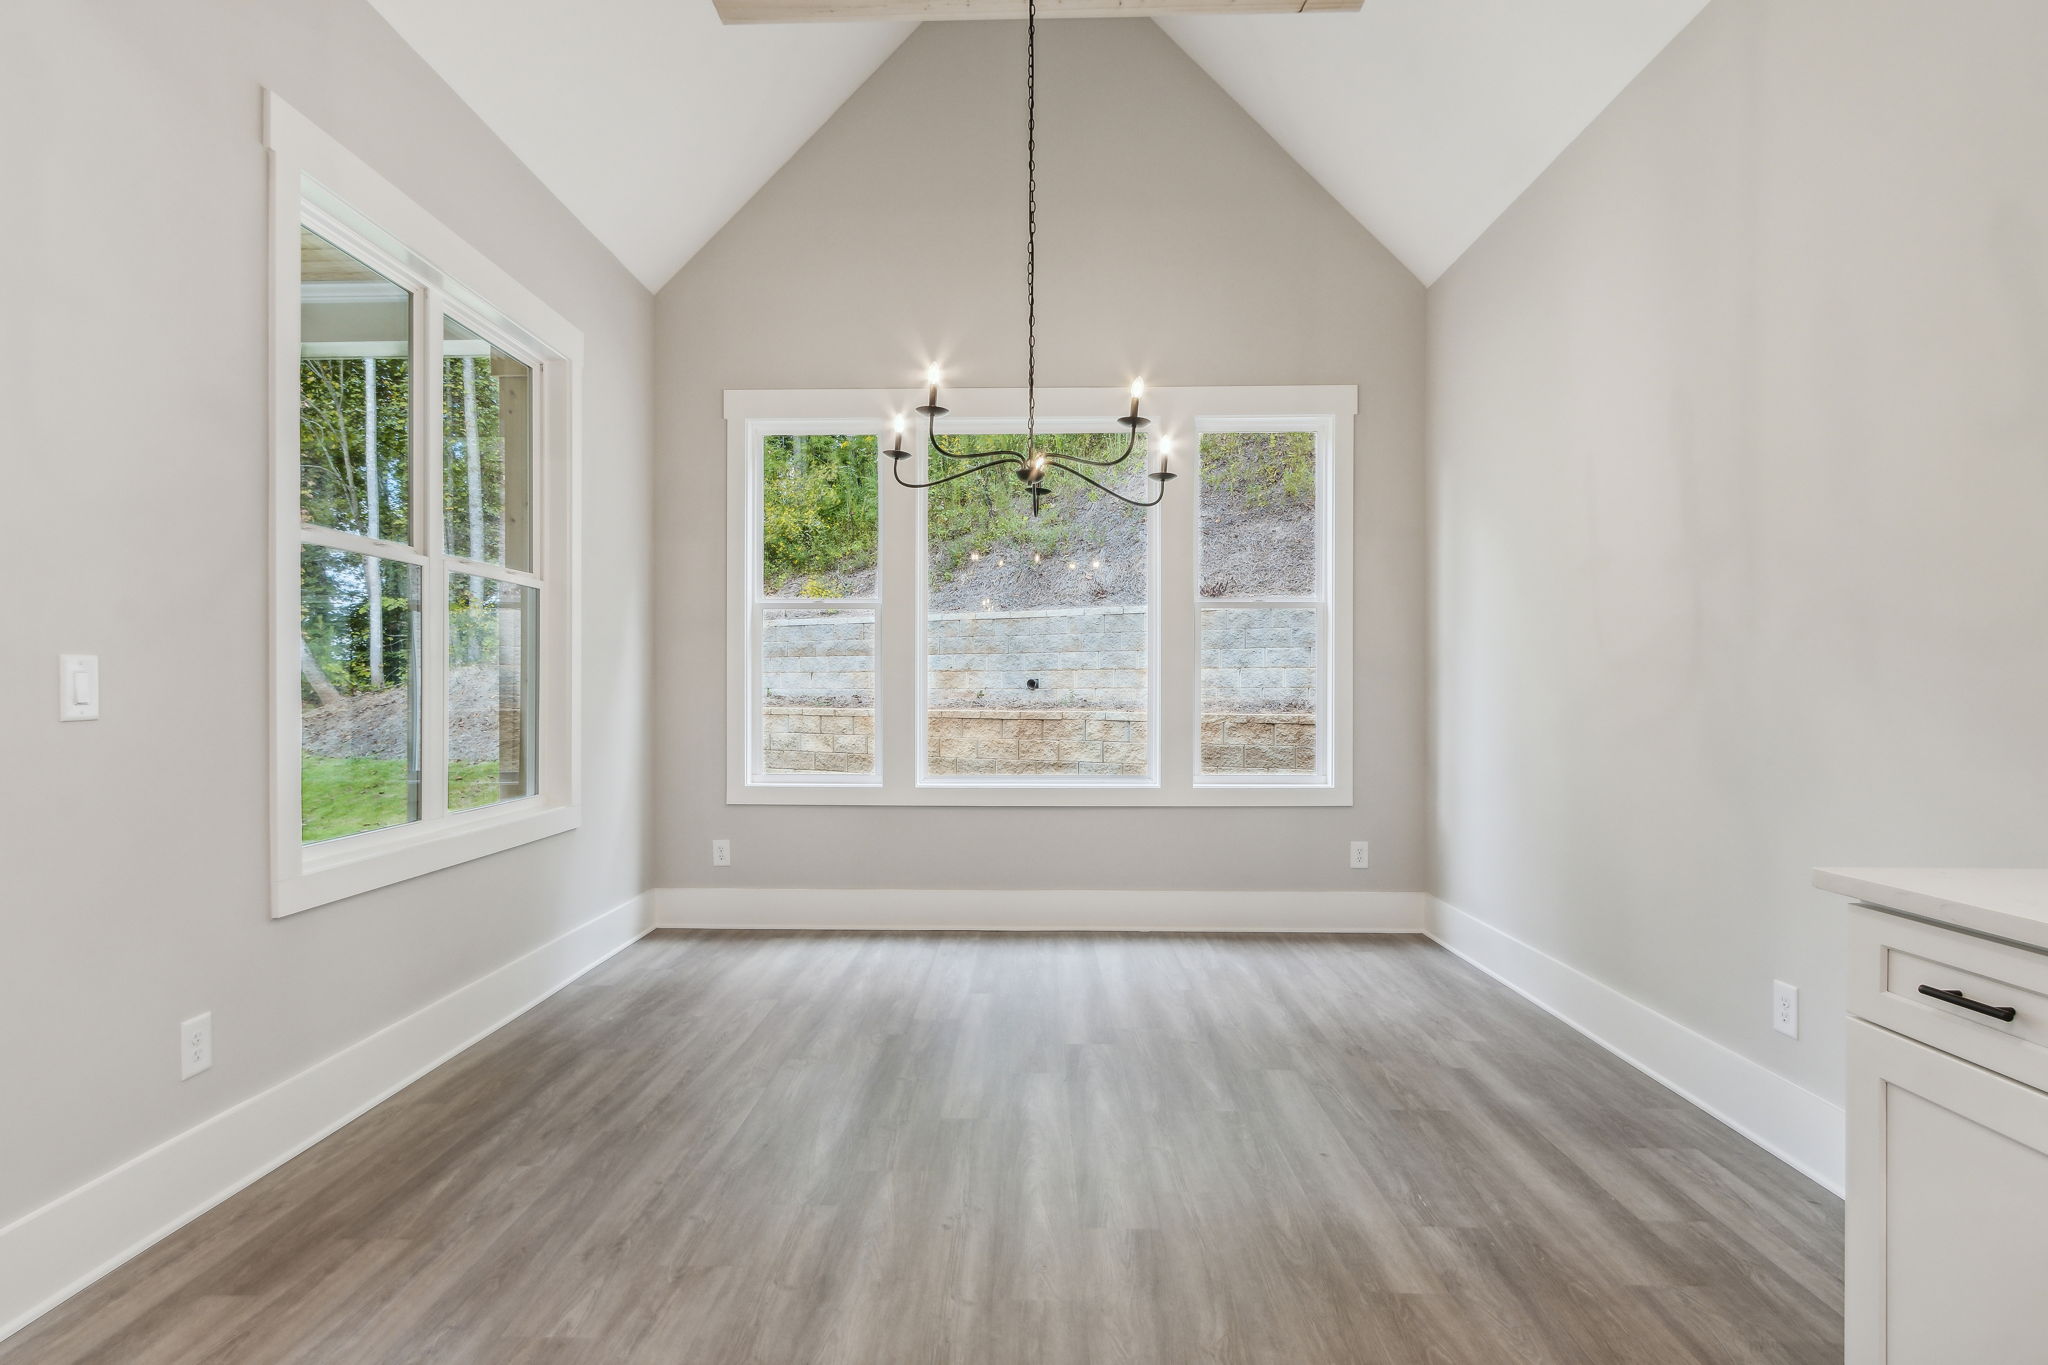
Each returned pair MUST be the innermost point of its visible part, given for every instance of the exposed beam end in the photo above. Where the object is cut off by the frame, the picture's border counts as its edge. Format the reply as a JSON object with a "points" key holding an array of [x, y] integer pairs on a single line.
{"points": [[855, 11]]}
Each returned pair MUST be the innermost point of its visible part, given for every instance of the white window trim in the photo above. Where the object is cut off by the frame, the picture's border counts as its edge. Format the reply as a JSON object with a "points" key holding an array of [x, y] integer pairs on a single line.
{"points": [[1174, 596], [317, 181]]}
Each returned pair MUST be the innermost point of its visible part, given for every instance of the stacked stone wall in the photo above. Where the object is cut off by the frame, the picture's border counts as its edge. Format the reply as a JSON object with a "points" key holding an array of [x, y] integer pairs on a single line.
{"points": [[983, 741], [1060, 691], [1079, 658]]}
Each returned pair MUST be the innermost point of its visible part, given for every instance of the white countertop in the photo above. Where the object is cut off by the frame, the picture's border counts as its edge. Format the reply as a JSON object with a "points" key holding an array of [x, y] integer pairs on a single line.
{"points": [[2004, 902]]}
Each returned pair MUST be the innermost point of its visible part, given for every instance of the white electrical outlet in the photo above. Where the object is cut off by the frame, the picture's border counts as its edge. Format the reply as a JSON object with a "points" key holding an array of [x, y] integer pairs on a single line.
{"points": [[195, 1046], [1360, 856], [1785, 1008], [721, 853]]}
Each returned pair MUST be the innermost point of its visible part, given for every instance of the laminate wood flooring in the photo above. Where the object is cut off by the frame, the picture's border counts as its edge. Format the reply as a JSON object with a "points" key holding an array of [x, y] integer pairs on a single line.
{"points": [[1004, 1149]]}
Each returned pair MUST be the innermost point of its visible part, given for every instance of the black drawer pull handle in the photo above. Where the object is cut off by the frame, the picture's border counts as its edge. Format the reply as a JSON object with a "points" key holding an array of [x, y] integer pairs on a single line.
{"points": [[2005, 1012]]}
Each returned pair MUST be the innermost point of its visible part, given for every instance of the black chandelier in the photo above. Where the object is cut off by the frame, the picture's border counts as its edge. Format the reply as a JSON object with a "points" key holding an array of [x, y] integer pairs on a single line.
{"points": [[1030, 464]]}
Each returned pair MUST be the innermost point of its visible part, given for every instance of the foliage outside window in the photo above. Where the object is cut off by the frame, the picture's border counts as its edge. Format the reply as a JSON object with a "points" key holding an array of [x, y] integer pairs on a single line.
{"points": [[820, 513]]}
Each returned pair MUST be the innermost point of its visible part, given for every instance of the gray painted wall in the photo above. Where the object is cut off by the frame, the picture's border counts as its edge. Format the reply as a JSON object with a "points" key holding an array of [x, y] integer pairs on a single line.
{"points": [[133, 877], [1740, 438], [1176, 240]]}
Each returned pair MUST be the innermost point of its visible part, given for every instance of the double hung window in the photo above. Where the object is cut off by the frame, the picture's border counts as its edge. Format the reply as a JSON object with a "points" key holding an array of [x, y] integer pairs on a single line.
{"points": [[423, 433], [943, 646]]}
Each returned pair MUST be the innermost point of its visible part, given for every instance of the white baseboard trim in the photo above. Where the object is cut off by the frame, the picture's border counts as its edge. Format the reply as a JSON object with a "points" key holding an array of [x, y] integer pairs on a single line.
{"points": [[1790, 1122], [53, 1252], [1263, 912]]}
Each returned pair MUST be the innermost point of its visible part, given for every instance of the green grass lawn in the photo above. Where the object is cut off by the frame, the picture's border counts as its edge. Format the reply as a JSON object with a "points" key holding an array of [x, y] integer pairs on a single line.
{"points": [[343, 796]]}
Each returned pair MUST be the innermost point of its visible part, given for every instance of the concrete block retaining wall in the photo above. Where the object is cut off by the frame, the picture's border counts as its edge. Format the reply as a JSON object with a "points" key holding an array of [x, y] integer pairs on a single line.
{"points": [[980, 740], [1085, 716], [1258, 659], [1081, 658], [818, 739]]}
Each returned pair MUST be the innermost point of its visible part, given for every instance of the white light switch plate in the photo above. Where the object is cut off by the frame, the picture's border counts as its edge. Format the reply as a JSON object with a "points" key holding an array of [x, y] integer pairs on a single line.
{"points": [[78, 687]]}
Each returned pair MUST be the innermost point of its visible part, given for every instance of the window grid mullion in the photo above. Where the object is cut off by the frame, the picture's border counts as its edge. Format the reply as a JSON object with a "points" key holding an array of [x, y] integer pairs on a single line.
{"points": [[329, 538], [1176, 715], [1310, 600], [497, 573], [1326, 596], [757, 677], [1326, 754], [914, 646], [432, 524]]}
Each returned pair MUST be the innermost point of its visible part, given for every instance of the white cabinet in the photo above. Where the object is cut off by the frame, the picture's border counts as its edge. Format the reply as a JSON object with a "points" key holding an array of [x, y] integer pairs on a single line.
{"points": [[1948, 1208], [1947, 1256]]}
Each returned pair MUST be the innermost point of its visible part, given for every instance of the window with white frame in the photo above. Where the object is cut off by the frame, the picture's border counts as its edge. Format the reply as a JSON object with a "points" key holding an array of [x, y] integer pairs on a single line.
{"points": [[424, 545], [1263, 580], [943, 646]]}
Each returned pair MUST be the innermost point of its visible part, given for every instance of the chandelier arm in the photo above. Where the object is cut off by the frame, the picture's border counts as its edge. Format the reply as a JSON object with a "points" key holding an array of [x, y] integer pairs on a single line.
{"points": [[931, 435], [974, 454], [1107, 489], [1129, 446], [959, 474], [933, 439]]}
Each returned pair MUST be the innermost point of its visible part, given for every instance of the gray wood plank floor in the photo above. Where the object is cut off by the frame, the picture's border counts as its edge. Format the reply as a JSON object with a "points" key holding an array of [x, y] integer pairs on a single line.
{"points": [[893, 1149]]}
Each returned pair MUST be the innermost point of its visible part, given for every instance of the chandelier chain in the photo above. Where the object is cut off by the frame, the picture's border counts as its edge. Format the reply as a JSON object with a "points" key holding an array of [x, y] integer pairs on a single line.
{"points": [[1029, 464], [1031, 227]]}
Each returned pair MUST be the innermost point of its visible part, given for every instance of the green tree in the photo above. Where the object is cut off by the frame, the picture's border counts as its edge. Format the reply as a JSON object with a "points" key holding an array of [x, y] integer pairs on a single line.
{"points": [[473, 458], [818, 513]]}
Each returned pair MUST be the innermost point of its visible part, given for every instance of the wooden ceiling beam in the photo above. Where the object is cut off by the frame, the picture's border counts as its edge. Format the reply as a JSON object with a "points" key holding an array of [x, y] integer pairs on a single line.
{"points": [[847, 11]]}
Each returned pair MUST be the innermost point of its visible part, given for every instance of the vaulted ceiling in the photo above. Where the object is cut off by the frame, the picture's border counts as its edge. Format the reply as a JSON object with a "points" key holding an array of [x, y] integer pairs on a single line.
{"points": [[654, 122], [1427, 118]]}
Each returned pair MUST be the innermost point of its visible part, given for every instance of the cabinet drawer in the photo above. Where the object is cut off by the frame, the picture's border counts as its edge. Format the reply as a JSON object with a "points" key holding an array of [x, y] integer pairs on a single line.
{"points": [[1892, 958]]}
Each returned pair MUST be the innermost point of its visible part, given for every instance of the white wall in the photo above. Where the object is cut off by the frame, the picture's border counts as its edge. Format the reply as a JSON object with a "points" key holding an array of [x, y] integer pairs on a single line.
{"points": [[1739, 423], [133, 882], [1175, 240]]}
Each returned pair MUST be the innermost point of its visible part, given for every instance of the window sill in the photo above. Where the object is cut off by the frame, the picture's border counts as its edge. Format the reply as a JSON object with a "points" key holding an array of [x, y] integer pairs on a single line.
{"points": [[961, 793], [348, 867]]}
